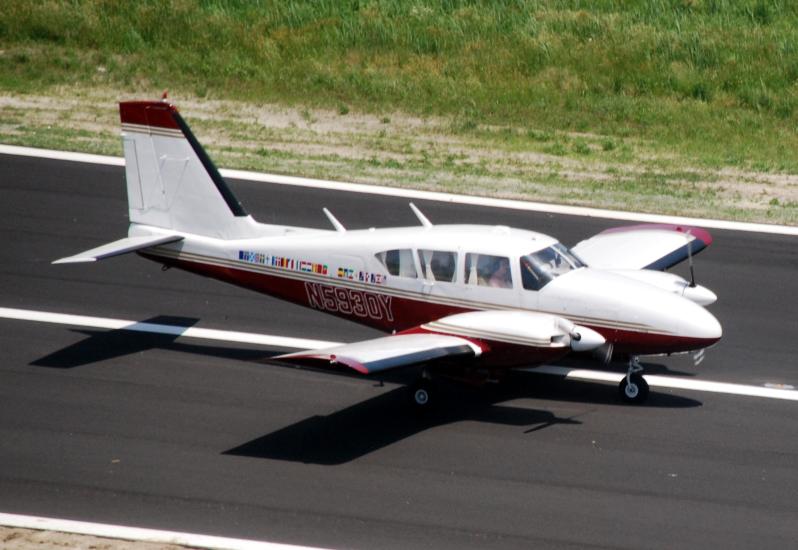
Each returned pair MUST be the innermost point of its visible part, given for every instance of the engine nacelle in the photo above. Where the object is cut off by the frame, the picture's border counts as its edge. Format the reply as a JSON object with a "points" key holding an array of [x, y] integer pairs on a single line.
{"points": [[671, 282], [519, 327]]}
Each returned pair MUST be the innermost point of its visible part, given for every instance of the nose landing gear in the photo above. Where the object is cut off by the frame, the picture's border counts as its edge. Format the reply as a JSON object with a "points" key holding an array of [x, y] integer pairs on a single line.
{"points": [[633, 388]]}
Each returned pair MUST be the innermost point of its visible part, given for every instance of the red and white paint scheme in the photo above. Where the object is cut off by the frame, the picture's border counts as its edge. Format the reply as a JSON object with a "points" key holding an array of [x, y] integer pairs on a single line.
{"points": [[457, 299]]}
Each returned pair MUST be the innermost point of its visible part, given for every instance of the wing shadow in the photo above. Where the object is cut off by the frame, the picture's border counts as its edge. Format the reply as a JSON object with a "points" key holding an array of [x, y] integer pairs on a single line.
{"points": [[361, 429], [365, 427]]}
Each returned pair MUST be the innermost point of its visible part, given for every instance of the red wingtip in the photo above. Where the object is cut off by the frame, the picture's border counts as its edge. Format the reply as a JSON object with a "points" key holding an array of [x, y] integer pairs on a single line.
{"points": [[697, 232]]}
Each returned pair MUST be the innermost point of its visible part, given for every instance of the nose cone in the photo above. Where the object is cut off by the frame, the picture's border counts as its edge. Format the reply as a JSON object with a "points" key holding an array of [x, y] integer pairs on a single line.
{"points": [[585, 339], [701, 295], [702, 325]]}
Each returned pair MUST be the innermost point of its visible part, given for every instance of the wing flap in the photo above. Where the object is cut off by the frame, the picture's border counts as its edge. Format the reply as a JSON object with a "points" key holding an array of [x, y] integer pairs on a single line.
{"points": [[122, 246], [389, 352], [648, 246]]}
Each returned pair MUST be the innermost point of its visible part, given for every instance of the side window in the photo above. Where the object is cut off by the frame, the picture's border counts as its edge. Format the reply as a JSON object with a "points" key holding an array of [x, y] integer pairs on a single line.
{"points": [[485, 270], [438, 265], [398, 262]]}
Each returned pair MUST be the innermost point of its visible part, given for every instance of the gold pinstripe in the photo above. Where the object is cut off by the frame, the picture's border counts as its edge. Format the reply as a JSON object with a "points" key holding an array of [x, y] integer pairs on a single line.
{"points": [[151, 130]]}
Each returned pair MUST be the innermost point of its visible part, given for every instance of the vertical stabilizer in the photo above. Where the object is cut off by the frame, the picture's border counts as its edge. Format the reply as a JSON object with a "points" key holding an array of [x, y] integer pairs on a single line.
{"points": [[171, 181]]}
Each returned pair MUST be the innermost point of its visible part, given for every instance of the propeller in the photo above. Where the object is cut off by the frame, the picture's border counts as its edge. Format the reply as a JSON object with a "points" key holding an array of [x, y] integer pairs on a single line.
{"points": [[692, 291], [699, 356], [690, 258]]}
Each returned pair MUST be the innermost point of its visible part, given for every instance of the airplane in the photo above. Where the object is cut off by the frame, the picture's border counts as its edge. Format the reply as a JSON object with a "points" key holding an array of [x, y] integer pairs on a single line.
{"points": [[464, 301]]}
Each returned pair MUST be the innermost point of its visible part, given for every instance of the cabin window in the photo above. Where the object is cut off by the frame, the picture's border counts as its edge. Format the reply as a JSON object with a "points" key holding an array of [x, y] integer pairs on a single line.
{"points": [[486, 270], [398, 262], [438, 265]]}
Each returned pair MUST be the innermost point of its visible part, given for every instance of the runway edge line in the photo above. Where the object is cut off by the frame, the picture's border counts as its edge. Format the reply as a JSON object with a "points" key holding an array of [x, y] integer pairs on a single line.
{"points": [[509, 204], [301, 343], [140, 534]]}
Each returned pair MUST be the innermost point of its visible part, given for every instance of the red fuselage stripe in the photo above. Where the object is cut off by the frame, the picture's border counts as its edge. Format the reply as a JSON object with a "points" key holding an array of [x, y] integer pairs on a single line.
{"points": [[389, 313]]}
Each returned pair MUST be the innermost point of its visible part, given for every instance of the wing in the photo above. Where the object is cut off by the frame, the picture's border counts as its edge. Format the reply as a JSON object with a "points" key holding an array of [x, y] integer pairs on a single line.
{"points": [[526, 336], [390, 352], [649, 246]]}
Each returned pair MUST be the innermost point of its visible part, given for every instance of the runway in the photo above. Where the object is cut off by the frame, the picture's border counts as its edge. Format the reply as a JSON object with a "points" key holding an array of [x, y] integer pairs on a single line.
{"points": [[167, 432]]}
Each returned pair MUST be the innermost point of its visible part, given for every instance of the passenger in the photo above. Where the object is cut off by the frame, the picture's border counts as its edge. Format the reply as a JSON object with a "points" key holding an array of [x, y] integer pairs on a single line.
{"points": [[442, 265], [501, 274]]}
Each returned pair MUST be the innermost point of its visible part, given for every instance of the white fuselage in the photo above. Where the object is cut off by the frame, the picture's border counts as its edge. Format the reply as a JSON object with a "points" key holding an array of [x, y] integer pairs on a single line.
{"points": [[389, 279]]}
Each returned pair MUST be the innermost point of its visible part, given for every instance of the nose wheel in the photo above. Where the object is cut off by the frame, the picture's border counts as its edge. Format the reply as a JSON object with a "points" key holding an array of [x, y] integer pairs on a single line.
{"points": [[633, 388]]}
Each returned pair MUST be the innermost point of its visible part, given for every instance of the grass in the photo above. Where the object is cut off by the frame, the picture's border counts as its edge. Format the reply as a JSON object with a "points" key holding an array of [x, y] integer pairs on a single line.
{"points": [[666, 85]]}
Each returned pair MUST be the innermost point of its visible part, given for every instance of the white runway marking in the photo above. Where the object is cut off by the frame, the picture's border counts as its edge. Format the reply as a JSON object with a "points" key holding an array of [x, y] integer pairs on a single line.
{"points": [[429, 195], [302, 343], [186, 332], [674, 382], [139, 534]]}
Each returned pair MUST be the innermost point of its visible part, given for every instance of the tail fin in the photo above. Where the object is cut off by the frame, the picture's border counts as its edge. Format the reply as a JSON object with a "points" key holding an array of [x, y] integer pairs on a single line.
{"points": [[171, 181]]}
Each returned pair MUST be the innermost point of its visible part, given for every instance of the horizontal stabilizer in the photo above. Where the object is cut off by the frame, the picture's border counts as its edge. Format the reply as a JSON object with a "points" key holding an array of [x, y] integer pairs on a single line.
{"points": [[122, 246], [389, 352]]}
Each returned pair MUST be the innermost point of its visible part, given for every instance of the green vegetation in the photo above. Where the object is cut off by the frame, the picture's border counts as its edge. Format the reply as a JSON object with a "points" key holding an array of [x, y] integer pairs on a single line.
{"points": [[665, 84]]}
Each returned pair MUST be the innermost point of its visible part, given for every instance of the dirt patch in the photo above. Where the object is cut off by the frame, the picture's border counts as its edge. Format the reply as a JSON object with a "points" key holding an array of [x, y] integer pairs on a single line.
{"points": [[12, 538], [430, 153]]}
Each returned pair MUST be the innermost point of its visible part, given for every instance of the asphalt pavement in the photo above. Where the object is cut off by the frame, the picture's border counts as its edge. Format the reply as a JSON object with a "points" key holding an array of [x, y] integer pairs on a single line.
{"points": [[170, 433]]}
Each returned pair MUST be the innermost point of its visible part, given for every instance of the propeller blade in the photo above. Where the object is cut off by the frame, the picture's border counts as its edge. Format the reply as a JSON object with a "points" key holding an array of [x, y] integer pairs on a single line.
{"points": [[690, 258], [699, 356]]}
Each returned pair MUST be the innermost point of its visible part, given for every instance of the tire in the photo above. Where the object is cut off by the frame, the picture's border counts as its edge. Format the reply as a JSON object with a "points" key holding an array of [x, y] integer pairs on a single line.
{"points": [[633, 390], [421, 395]]}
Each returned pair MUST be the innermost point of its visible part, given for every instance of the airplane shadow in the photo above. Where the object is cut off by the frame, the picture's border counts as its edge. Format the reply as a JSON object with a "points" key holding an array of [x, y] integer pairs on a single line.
{"points": [[373, 424], [102, 345], [621, 366], [554, 388], [370, 425]]}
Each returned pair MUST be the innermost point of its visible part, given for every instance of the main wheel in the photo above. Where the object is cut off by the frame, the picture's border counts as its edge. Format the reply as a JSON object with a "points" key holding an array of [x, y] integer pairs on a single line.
{"points": [[633, 389], [421, 394]]}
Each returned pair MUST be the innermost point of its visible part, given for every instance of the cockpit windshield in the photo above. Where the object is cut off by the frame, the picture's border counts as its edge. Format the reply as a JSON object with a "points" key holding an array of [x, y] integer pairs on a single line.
{"points": [[541, 267]]}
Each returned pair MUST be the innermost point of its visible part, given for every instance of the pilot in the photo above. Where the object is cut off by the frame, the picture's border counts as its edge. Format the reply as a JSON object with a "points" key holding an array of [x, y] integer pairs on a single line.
{"points": [[530, 277], [501, 274]]}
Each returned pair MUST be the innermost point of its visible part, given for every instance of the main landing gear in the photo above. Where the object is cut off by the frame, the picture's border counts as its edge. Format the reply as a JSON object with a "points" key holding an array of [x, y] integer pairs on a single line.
{"points": [[633, 388], [420, 394]]}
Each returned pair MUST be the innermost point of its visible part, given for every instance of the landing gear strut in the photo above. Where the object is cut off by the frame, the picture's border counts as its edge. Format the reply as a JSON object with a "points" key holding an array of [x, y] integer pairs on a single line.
{"points": [[633, 388]]}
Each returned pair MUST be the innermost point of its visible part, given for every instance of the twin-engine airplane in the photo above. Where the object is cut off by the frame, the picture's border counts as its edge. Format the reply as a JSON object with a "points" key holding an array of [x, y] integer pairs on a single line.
{"points": [[465, 301]]}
